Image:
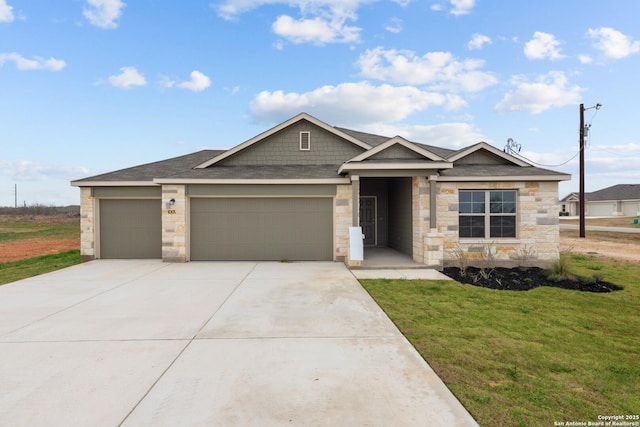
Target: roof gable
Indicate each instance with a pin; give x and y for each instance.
(348, 143)
(484, 154)
(397, 148)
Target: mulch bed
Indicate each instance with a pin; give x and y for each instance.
(524, 279)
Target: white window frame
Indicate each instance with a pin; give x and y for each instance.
(487, 215)
(308, 146)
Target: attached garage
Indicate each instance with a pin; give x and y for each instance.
(261, 228)
(130, 228)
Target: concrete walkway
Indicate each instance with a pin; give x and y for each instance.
(142, 343)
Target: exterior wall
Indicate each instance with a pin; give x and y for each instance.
(87, 224)
(538, 231)
(400, 215)
(283, 148)
(343, 218)
(174, 224)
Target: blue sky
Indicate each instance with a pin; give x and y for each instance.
(90, 86)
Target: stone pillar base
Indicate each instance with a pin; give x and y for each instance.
(434, 250)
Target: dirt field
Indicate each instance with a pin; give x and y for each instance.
(628, 252)
(22, 245)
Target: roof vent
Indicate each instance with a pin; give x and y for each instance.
(305, 141)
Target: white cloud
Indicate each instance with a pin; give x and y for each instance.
(547, 91)
(198, 82)
(166, 83)
(6, 12)
(447, 135)
(127, 78)
(394, 25)
(543, 46)
(613, 43)
(320, 21)
(26, 170)
(22, 63)
(361, 102)
(315, 30)
(440, 69)
(478, 41)
(103, 13)
(403, 3)
(462, 7)
(585, 59)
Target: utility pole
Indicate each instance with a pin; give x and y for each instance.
(582, 132)
(581, 197)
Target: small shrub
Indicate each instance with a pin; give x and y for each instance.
(462, 259)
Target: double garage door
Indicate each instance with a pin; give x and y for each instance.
(223, 228)
(261, 228)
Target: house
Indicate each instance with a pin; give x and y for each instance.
(306, 190)
(617, 200)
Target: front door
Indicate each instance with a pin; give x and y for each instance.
(368, 219)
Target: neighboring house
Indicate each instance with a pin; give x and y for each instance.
(305, 190)
(618, 200)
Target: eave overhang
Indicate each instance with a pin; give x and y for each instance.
(363, 166)
(560, 177)
(82, 183)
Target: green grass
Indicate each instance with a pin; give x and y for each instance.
(527, 358)
(17, 270)
(17, 230)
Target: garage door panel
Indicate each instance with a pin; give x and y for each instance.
(130, 228)
(261, 229)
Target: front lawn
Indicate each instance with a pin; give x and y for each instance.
(527, 358)
(17, 270)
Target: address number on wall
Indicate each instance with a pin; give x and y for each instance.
(171, 211)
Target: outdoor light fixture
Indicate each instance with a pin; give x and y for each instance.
(172, 202)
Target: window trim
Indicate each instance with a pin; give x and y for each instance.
(487, 215)
(308, 141)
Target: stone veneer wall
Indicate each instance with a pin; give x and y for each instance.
(87, 225)
(420, 217)
(538, 229)
(174, 224)
(343, 220)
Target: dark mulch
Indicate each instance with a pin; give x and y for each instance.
(524, 279)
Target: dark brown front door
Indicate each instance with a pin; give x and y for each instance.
(368, 219)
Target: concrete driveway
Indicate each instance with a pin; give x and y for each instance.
(142, 343)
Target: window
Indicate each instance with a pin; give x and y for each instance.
(476, 221)
(305, 141)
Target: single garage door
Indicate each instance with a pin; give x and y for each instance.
(130, 228)
(261, 229)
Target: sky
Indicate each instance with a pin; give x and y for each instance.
(92, 86)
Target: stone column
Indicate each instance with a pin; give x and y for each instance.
(87, 225)
(174, 223)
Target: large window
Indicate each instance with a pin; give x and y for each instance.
(487, 214)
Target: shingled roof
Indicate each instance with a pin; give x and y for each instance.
(615, 192)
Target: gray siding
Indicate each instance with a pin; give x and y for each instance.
(400, 215)
(262, 229)
(130, 228)
(397, 152)
(283, 148)
(481, 157)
